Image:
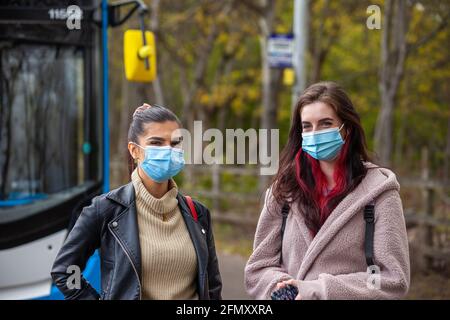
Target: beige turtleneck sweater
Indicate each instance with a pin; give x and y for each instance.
(169, 260)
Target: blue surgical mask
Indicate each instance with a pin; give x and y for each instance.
(162, 163)
(323, 144)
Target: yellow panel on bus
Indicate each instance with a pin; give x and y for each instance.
(135, 54)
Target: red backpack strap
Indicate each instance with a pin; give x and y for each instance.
(192, 207)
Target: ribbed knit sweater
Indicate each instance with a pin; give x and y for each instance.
(169, 260)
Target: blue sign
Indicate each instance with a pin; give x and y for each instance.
(280, 49)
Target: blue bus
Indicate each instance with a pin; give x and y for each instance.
(54, 139)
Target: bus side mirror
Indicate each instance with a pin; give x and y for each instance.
(139, 59)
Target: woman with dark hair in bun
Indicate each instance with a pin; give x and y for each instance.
(154, 242)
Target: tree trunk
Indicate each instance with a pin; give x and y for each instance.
(270, 78)
(318, 53)
(393, 55)
(447, 155)
(154, 26)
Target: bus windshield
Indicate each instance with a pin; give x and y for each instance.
(41, 121)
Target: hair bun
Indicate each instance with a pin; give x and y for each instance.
(140, 109)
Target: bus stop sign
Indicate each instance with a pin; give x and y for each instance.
(280, 49)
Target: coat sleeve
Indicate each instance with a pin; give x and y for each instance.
(214, 278)
(391, 255)
(263, 270)
(80, 244)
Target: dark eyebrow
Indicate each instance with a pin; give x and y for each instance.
(321, 120)
(155, 138)
(325, 119)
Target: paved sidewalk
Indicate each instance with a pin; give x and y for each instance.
(232, 271)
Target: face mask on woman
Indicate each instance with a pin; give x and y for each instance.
(323, 144)
(162, 163)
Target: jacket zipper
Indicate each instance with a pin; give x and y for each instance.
(131, 261)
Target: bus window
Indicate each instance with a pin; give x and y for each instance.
(41, 121)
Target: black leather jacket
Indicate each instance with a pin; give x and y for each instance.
(110, 223)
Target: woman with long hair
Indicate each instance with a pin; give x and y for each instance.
(332, 225)
(155, 243)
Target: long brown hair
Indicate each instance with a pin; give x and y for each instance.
(300, 179)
